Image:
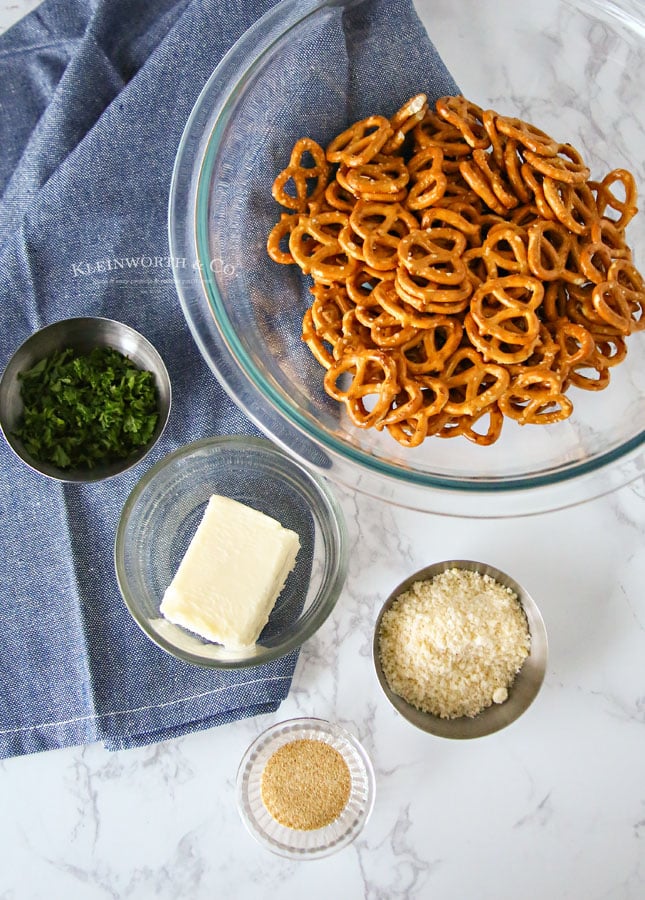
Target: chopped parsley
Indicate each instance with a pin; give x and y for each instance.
(83, 410)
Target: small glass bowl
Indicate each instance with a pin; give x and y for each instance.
(319, 842)
(522, 692)
(161, 516)
(81, 334)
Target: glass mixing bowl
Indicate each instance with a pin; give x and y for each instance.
(570, 67)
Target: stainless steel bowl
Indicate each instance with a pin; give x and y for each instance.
(81, 334)
(527, 682)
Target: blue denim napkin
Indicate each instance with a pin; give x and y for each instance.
(94, 95)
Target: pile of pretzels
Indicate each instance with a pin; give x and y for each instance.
(465, 269)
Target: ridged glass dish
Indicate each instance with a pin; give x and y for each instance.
(161, 516)
(573, 68)
(296, 843)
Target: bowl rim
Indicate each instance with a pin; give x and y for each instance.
(333, 591)
(238, 373)
(89, 476)
(489, 720)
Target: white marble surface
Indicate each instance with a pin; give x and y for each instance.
(552, 807)
(13, 10)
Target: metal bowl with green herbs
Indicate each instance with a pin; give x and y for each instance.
(84, 399)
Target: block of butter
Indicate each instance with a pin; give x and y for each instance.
(231, 574)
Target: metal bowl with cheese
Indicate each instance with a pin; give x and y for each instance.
(448, 654)
(229, 553)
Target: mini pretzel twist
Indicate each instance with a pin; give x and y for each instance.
(337, 197)
(580, 309)
(477, 179)
(605, 232)
(535, 397)
(534, 181)
(466, 117)
(279, 235)
(495, 177)
(632, 285)
(404, 120)
(473, 384)
(428, 177)
(512, 164)
(528, 136)
(549, 246)
(465, 270)
(429, 353)
(505, 250)
(383, 178)
(327, 310)
(447, 426)
(544, 354)
(429, 296)
(607, 199)
(510, 299)
(411, 397)
(434, 254)
(608, 351)
(315, 342)
(373, 374)
(381, 226)
(459, 214)
(504, 312)
(566, 165)
(574, 205)
(433, 130)
(361, 283)
(575, 345)
(411, 429)
(309, 181)
(314, 246)
(356, 337)
(612, 305)
(591, 375)
(360, 143)
(386, 330)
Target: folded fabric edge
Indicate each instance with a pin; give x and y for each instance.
(264, 686)
(170, 733)
(147, 725)
(108, 87)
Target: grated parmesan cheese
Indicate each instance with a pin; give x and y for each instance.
(452, 645)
